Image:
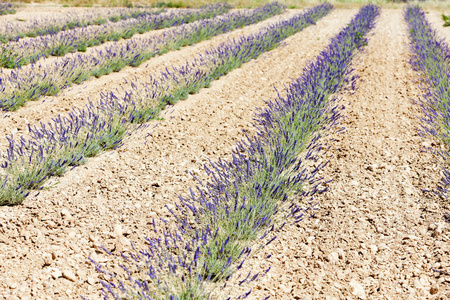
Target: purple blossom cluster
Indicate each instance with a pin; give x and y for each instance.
(431, 56)
(249, 197)
(37, 26)
(32, 82)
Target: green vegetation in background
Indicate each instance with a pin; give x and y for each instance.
(446, 20)
(170, 4)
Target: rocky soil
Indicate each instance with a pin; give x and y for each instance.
(376, 234)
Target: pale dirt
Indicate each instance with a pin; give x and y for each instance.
(375, 229)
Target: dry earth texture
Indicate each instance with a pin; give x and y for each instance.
(376, 234)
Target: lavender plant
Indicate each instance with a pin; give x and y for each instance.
(52, 148)
(16, 54)
(430, 58)
(7, 7)
(15, 30)
(22, 85)
(246, 197)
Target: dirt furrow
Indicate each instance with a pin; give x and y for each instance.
(376, 234)
(112, 199)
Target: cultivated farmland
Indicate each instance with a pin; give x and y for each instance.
(216, 152)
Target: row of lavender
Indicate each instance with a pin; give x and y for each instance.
(30, 83)
(69, 140)
(431, 59)
(23, 52)
(254, 194)
(38, 26)
(7, 7)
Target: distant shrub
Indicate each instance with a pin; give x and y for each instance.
(169, 4)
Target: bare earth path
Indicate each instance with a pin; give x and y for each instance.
(376, 235)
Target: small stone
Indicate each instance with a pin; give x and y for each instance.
(118, 230)
(373, 249)
(56, 273)
(308, 250)
(123, 244)
(432, 226)
(92, 280)
(409, 191)
(12, 297)
(69, 275)
(372, 167)
(98, 258)
(358, 290)
(382, 246)
(434, 289)
(285, 289)
(81, 274)
(417, 284)
(354, 183)
(338, 286)
(333, 256)
(341, 253)
(65, 213)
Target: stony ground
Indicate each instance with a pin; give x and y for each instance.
(376, 234)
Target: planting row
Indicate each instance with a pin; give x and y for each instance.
(23, 85)
(15, 30)
(431, 55)
(7, 8)
(16, 54)
(69, 140)
(254, 194)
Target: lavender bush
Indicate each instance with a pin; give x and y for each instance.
(30, 83)
(7, 8)
(23, 52)
(248, 196)
(431, 59)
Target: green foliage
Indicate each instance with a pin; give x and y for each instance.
(446, 20)
(170, 4)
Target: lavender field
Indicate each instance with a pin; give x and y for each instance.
(221, 152)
